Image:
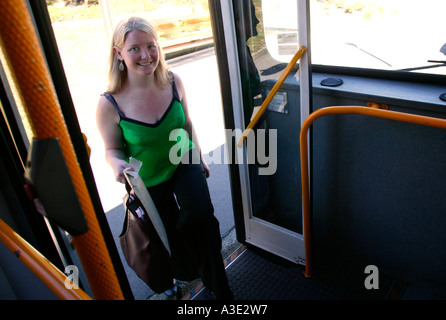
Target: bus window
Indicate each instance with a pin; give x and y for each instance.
(372, 34)
(280, 33)
(377, 34)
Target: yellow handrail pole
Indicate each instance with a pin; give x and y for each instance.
(51, 276)
(271, 95)
(28, 66)
(380, 113)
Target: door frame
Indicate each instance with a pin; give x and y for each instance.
(260, 233)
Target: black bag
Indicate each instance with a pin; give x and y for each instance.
(143, 249)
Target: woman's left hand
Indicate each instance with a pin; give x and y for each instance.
(207, 171)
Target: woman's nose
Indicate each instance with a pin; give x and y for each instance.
(145, 54)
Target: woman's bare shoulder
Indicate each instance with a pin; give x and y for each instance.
(106, 109)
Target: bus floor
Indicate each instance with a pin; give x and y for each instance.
(254, 274)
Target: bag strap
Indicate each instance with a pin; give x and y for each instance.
(132, 205)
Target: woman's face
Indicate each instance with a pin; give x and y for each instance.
(140, 53)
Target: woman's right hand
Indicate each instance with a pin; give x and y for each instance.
(119, 166)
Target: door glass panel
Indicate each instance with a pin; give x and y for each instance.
(274, 167)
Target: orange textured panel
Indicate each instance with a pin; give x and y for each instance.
(26, 61)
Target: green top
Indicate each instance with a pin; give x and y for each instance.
(159, 146)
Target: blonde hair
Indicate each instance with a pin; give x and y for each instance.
(117, 77)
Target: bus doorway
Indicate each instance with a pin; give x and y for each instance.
(266, 169)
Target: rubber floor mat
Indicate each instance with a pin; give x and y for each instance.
(256, 275)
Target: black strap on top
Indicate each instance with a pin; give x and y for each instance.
(114, 103)
(175, 91)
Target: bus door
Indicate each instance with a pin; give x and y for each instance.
(254, 41)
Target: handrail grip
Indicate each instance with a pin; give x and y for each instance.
(51, 276)
(271, 95)
(380, 113)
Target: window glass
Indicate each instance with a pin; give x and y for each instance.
(14, 99)
(378, 34)
(265, 46)
(374, 34)
(178, 21)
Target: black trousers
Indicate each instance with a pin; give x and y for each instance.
(185, 207)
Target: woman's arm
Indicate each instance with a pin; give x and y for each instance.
(107, 120)
(188, 126)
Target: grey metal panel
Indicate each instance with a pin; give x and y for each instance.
(378, 187)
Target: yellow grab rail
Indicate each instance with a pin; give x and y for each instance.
(52, 277)
(26, 61)
(380, 113)
(271, 95)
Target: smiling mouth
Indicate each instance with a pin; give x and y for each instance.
(145, 63)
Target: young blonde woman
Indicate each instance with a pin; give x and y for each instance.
(143, 106)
